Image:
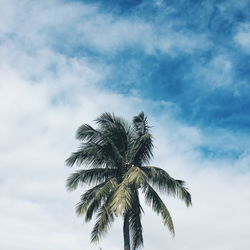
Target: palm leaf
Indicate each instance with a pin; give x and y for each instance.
(121, 200)
(100, 137)
(115, 128)
(87, 199)
(140, 124)
(141, 151)
(135, 221)
(154, 200)
(92, 199)
(94, 155)
(89, 176)
(104, 219)
(135, 176)
(165, 183)
(123, 196)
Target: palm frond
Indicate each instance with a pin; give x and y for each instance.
(95, 155)
(115, 128)
(165, 183)
(105, 217)
(89, 176)
(154, 200)
(99, 137)
(108, 119)
(91, 200)
(87, 199)
(87, 133)
(135, 176)
(140, 124)
(121, 200)
(135, 221)
(142, 150)
(92, 154)
(123, 196)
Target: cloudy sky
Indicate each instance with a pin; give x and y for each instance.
(185, 63)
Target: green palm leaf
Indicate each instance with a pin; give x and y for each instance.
(101, 137)
(115, 128)
(89, 176)
(135, 221)
(121, 200)
(140, 124)
(91, 200)
(105, 217)
(123, 197)
(154, 200)
(141, 152)
(165, 183)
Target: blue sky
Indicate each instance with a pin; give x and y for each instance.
(208, 83)
(204, 71)
(185, 63)
(193, 55)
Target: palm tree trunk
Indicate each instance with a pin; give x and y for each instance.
(126, 235)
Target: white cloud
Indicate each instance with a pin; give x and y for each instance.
(242, 37)
(45, 96)
(217, 73)
(64, 25)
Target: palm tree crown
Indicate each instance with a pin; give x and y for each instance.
(116, 155)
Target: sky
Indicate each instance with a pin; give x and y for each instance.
(186, 64)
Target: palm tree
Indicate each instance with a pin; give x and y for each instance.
(116, 156)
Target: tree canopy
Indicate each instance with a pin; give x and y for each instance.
(116, 157)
